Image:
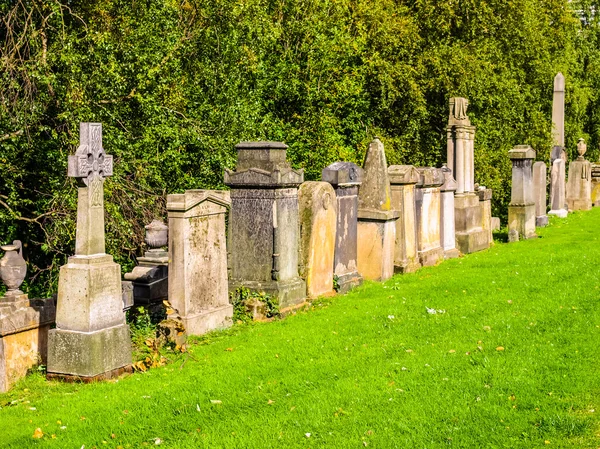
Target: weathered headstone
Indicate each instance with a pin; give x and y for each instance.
(403, 179)
(485, 204)
(376, 218)
(558, 110)
(198, 287)
(557, 188)
(579, 185)
(428, 207)
(470, 236)
(595, 185)
(91, 340)
(495, 223)
(521, 210)
(317, 236)
(539, 192)
(345, 177)
(263, 225)
(447, 224)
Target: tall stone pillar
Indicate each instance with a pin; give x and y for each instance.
(558, 111)
(485, 204)
(376, 218)
(428, 207)
(263, 225)
(539, 191)
(447, 230)
(521, 210)
(403, 179)
(198, 287)
(345, 177)
(557, 188)
(470, 237)
(579, 185)
(91, 340)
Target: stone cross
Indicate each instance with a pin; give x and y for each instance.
(90, 165)
(558, 110)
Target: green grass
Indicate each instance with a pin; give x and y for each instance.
(372, 367)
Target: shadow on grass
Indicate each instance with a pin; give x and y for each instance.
(501, 235)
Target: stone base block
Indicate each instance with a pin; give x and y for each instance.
(100, 377)
(467, 212)
(431, 257)
(348, 281)
(475, 240)
(451, 253)
(288, 292)
(209, 320)
(579, 204)
(375, 249)
(407, 266)
(521, 218)
(151, 292)
(88, 354)
(541, 221)
(561, 213)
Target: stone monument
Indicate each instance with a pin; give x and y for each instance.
(447, 232)
(485, 204)
(558, 111)
(24, 323)
(263, 225)
(91, 340)
(403, 179)
(470, 236)
(521, 210)
(317, 236)
(376, 218)
(345, 177)
(595, 185)
(579, 185)
(428, 207)
(557, 188)
(539, 193)
(198, 288)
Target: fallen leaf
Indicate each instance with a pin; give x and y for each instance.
(307, 435)
(500, 348)
(229, 349)
(452, 351)
(53, 436)
(37, 433)
(113, 436)
(271, 402)
(215, 401)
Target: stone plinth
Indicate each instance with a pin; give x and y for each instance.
(485, 204)
(345, 177)
(317, 236)
(403, 179)
(447, 230)
(557, 189)
(376, 219)
(470, 235)
(198, 287)
(91, 340)
(427, 205)
(579, 185)
(24, 327)
(150, 278)
(595, 185)
(521, 210)
(263, 225)
(539, 193)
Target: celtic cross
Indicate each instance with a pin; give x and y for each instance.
(90, 161)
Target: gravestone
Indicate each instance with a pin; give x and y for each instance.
(428, 207)
(345, 177)
(558, 111)
(595, 185)
(198, 288)
(263, 225)
(403, 179)
(539, 192)
(376, 218)
(470, 236)
(91, 340)
(521, 210)
(447, 232)
(317, 236)
(579, 185)
(557, 188)
(485, 204)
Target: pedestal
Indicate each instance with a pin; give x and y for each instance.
(470, 236)
(522, 219)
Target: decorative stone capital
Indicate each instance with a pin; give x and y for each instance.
(343, 174)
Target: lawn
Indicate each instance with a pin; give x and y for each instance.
(509, 359)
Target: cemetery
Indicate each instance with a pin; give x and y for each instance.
(418, 274)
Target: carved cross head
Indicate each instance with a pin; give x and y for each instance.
(89, 161)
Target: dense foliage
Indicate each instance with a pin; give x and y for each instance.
(178, 83)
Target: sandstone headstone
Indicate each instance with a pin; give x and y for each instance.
(345, 177)
(263, 225)
(485, 204)
(539, 189)
(403, 179)
(376, 218)
(91, 340)
(317, 236)
(595, 185)
(579, 185)
(428, 207)
(198, 287)
(495, 223)
(447, 232)
(557, 187)
(521, 210)
(558, 110)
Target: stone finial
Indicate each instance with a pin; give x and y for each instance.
(374, 193)
(89, 161)
(559, 82)
(458, 111)
(157, 234)
(581, 148)
(13, 268)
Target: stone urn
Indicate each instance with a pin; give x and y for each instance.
(581, 147)
(157, 234)
(13, 268)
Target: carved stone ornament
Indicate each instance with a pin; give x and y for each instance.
(581, 147)
(157, 234)
(13, 268)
